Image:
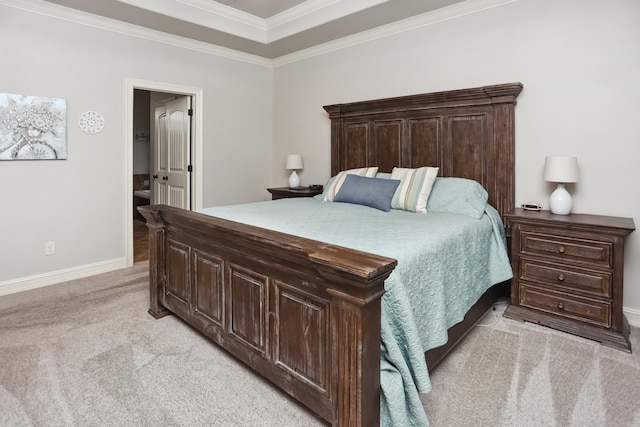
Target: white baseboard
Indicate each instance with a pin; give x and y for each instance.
(46, 279)
(633, 316)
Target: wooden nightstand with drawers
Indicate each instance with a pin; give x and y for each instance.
(568, 273)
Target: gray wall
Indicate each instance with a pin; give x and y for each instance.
(79, 202)
(579, 62)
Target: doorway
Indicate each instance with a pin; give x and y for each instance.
(133, 131)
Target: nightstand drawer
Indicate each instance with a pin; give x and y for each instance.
(569, 306)
(587, 281)
(566, 248)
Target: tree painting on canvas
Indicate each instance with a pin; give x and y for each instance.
(32, 127)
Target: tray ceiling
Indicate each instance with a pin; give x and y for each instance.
(267, 28)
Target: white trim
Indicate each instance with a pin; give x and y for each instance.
(633, 316)
(55, 277)
(229, 13)
(311, 14)
(221, 17)
(408, 24)
(422, 20)
(108, 24)
(196, 155)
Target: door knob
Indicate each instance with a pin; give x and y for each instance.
(155, 176)
(165, 178)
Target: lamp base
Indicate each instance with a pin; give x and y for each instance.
(294, 180)
(560, 201)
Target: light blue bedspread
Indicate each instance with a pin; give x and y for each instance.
(445, 263)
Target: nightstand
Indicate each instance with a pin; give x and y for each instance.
(286, 192)
(567, 273)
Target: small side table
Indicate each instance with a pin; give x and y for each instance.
(286, 192)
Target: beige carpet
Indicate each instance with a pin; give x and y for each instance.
(520, 374)
(86, 353)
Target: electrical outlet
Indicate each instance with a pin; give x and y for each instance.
(49, 248)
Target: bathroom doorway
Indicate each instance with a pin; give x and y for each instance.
(161, 157)
(140, 151)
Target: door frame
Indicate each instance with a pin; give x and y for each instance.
(196, 148)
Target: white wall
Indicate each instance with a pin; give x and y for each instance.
(79, 202)
(579, 62)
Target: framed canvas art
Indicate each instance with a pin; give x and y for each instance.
(32, 128)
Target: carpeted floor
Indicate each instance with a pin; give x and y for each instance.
(86, 353)
(520, 374)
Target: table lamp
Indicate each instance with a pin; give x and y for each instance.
(562, 170)
(294, 161)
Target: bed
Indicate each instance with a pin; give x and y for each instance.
(304, 313)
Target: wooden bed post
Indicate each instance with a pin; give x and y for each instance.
(156, 261)
(355, 339)
(356, 368)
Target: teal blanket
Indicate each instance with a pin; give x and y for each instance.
(445, 263)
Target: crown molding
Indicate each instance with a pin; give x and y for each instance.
(313, 13)
(216, 8)
(83, 18)
(216, 16)
(408, 24)
(418, 21)
(220, 17)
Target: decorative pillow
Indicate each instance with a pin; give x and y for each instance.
(334, 184)
(373, 192)
(458, 195)
(415, 185)
(383, 175)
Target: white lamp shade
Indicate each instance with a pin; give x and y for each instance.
(561, 169)
(294, 161)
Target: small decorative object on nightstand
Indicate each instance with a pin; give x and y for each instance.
(567, 273)
(561, 170)
(294, 161)
(286, 192)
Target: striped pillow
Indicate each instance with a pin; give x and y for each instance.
(334, 184)
(414, 189)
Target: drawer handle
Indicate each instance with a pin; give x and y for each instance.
(561, 277)
(560, 306)
(561, 249)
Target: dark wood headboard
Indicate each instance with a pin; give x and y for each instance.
(468, 133)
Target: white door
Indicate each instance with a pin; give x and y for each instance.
(171, 175)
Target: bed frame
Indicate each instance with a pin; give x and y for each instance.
(305, 314)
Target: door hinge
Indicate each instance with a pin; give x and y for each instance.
(190, 111)
(189, 168)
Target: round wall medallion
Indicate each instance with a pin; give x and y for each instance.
(91, 122)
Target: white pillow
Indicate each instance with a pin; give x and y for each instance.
(334, 185)
(414, 189)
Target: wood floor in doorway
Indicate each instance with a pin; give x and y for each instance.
(140, 241)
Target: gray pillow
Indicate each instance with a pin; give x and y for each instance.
(373, 192)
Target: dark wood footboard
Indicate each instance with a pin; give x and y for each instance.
(303, 314)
